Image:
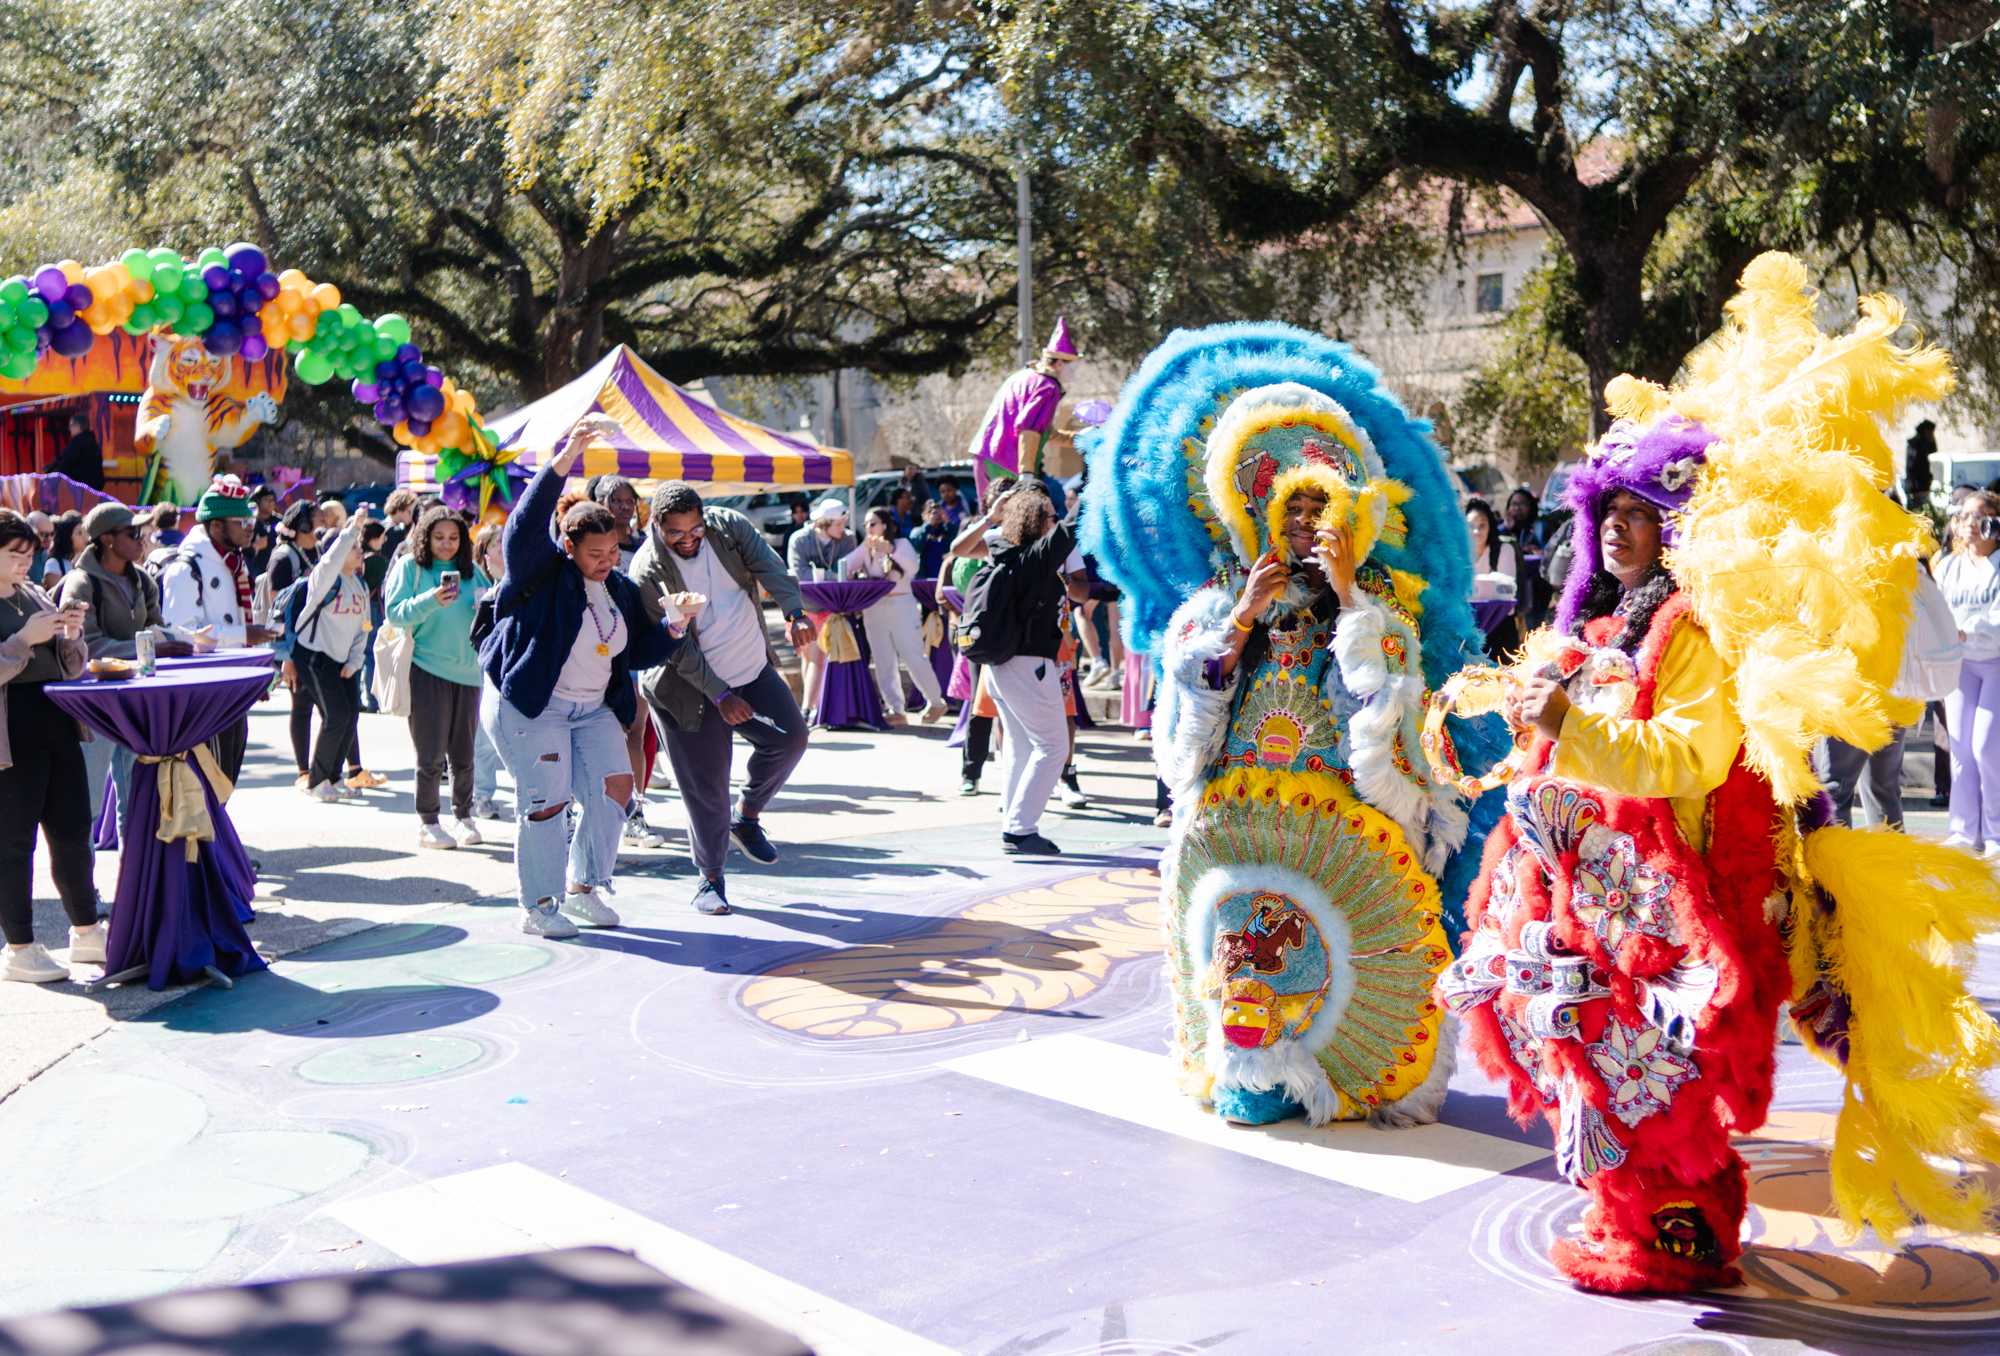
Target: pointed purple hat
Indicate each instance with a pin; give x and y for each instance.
(1059, 342)
(1659, 462)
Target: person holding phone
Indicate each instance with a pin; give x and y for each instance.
(429, 594)
(42, 781)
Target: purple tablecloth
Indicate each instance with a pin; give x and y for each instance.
(170, 915)
(1492, 613)
(848, 696)
(221, 659)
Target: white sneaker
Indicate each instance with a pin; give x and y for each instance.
(640, 834)
(465, 833)
(1959, 840)
(326, 792)
(484, 808)
(345, 792)
(31, 964)
(589, 910)
(434, 836)
(935, 711)
(1072, 796)
(542, 920)
(1990, 853)
(86, 945)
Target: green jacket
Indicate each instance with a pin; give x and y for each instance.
(681, 687)
(443, 634)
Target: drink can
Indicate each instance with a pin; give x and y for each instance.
(148, 656)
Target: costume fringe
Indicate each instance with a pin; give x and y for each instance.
(1896, 942)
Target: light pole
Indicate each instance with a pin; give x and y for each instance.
(1025, 230)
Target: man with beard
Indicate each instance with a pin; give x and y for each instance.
(727, 682)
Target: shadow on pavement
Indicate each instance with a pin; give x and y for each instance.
(271, 1002)
(578, 1300)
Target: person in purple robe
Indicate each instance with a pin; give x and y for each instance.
(1016, 428)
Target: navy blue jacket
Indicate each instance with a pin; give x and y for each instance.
(539, 610)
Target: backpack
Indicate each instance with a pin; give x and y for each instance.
(285, 613)
(1932, 651)
(989, 627)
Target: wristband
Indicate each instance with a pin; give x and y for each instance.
(1235, 622)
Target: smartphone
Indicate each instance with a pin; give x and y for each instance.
(448, 581)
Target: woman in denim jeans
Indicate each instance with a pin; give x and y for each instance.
(568, 632)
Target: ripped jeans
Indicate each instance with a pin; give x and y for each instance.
(565, 753)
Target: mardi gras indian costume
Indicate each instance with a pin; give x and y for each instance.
(1664, 879)
(1305, 913)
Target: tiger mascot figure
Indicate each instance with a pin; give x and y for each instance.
(186, 417)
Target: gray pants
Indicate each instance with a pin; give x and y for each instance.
(443, 718)
(701, 759)
(1878, 776)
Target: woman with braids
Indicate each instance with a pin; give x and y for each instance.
(429, 593)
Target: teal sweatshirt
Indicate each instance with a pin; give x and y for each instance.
(443, 634)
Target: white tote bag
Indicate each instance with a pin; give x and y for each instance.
(1932, 651)
(394, 648)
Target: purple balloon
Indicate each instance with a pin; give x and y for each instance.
(425, 402)
(366, 392)
(215, 278)
(390, 411)
(78, 296)
(51, 283)
(60, 314)
(247, 259)
(223, 303)
(223, 338)
(255, 346)
(408, 353)
(413, 372)
(418, 427)
(388, 370)
(71, 341)
(267, 285)
(434, 376)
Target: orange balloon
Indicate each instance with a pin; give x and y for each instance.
(327, 295)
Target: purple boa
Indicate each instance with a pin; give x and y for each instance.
(1633, 459)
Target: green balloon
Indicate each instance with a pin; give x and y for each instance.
(162, 257)
(166, 309)
(196, 319)
(314, 369)
(33, 312)
(393, 328)
(166, 277)
(138, 263)
(21, 340)
(211, 257)
(142, 318)
(18, 366)
(192, 290)
(14, 290)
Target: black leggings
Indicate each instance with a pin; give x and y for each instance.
(339, 703)
(44, 788)
(302, 727)
(978, 747)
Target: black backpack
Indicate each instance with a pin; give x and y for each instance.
(989, 627)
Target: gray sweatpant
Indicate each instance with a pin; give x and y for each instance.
(1877, 776)
(702, 757)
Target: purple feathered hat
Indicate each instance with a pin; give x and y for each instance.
(1657, 462)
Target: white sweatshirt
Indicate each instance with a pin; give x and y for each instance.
(1971, 585)
(341, 633)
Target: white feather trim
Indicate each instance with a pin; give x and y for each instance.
(1191, 719)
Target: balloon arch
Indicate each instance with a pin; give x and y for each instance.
(236, 306)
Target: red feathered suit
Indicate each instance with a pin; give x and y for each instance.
(1619, 971)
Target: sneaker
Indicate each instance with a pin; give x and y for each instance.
(434, 836)
(348, 793)
(1072, 794)
(1164, 819)
(969, 787)
(466, 833)
(1028, 845)
(935, 711)
(326, 792)
(86, 945)
(1099, 679)
(639, 833)
(898, 722)
(545, 920)
(586, 908)
(1990, 853)
(484, 808)
(749, 835)
(31, 964)
(709, 898)
(1959, 840)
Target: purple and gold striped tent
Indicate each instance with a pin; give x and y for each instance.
(662, 433)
